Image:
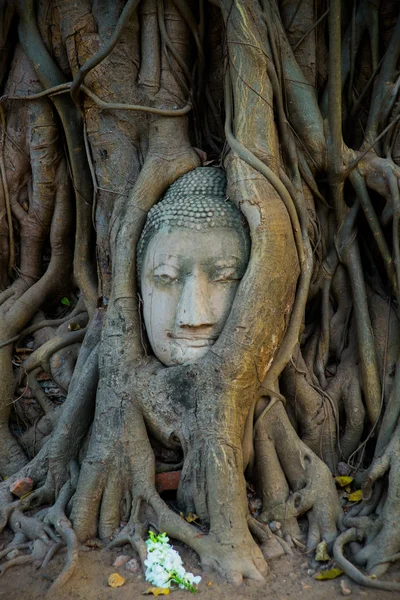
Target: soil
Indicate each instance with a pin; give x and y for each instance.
(288, 579)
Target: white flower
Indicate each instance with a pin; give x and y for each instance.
(164, 565)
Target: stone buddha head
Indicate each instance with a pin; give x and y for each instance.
(192, 254)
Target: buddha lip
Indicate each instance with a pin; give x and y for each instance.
(200, 343)
(194, 338)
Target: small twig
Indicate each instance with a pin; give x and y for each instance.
(90, 64)
(303, 37)
(176, 112)
(65, 87)
(355, 162)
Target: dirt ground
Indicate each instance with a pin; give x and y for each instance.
(288, 579)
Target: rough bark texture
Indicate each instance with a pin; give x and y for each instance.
(103, 106)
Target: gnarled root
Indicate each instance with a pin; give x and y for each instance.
(44, 535)
(351, 571)
(272, 546)
(57, 518)
(284, 462)
(383, 534)
(313, 410)
(235, 560)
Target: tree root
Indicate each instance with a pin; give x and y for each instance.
(272, 546)
(351, 535)
(235, 560)
(133, 533)
(382, 537)
(286, 463)
(51, 552)
(57, 518)
(12, 546)
(314, 413)
(45, 535)
(40, 555)
(16, 562)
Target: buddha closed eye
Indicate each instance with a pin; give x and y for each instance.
(191, 256)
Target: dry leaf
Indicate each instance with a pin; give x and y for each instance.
(356, 496)
(321, 552)
(115, 580)
(94, 543)
(74, 327)
(343, 480)
(191, 517)
(156, 591)
(330, 574)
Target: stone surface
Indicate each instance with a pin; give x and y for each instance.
(121, 560)
(167, 481)
(132, 566)
(22, 486)
(346, 591)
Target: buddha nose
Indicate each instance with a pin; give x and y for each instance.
(193, 308)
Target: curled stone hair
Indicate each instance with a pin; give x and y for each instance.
(196, 201)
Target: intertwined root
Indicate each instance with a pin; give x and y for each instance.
(272, 546)
(378, 515)
(293, 481)
(37, 537)
(352, 536)
(43, 534)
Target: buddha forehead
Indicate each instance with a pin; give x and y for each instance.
(197, 203)
(183, 248)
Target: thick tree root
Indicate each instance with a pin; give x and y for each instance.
(272, 546)
(312, 409)
(383, 534)
(133, 533)
(286, 463)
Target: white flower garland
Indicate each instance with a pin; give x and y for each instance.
(164, 565)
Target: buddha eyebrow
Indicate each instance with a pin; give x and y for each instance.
(164, 259)
(227, 261)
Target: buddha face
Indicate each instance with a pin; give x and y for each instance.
(188, 284)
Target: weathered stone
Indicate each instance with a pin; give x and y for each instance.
(132, 566)
(121, 560)
(167, 481)
(22, 486)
